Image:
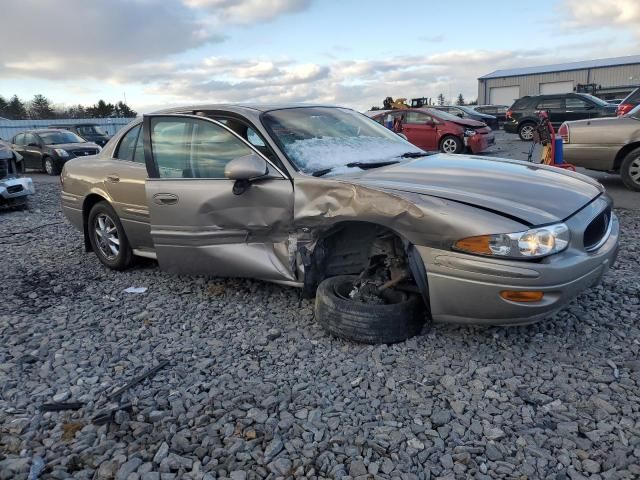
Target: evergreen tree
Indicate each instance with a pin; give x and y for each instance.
(123, 110)
(440, 99)
(3, 106)
(460, 100)
(101, 110)
(40, 108)
(15, 109)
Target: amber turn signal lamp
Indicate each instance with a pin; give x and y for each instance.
(479, 244)
(526, 296)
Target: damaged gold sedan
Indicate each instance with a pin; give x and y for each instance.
(328, 200)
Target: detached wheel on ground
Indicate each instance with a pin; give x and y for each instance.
(451, 144)
(107, 237)
(50, 167)
(400, 318)
(630, 170)
(525, 131)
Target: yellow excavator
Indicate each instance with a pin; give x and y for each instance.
(399, 104)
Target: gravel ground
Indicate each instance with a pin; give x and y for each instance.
(255, 389)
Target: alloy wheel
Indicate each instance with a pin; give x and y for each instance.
(634, 171)
(449, 145)
(48, 166)
(106, 235)
(526, 132)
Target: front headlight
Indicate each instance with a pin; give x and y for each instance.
(468, 132)
(61, 152)
(534, 243)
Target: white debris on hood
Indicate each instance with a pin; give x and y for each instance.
(319, 153)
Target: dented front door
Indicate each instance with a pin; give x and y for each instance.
(198, 225)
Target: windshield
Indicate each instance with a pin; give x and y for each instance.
(317, 138)
(441, 114)
(55, 138)
(90, 130)
(595, 100)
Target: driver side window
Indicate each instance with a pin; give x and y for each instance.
(193, 148)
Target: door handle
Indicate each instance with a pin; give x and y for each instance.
(113, 178)
(165, 198)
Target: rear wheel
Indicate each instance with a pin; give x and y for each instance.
(107, 237)
(451, 144)
(401, 316)
(50, 167)
(525, 131)
(630, 170)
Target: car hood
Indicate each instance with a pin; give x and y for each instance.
(467, 122)
(532, 194)
(74, 146)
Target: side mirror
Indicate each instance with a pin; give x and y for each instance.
(245, 169)
(461, 115)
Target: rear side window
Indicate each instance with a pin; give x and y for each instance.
(550, 104)
(520, 104)
(574, 103)
(127, 147)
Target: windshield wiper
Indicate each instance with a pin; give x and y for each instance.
(415, 154)
(319, 173)
(362, 165)
(368, 165)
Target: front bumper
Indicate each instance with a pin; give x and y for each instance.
(466, 288)
(15, 190)
(480, 142)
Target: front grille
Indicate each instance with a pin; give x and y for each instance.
(4, 167)
(595, 233)
(15, 188)
(85, 152)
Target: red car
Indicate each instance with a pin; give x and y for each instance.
(629, 103)
(432, 129)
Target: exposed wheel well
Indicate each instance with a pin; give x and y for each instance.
(87, 205)
(348, 248)
(624, 151)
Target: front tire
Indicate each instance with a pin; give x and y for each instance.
(451, 144)
(630, 170)
(107, 237)
(50, 167)
(364, 322)
(525, 131)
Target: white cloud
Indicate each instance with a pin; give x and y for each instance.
(599, 13)
(248, 11)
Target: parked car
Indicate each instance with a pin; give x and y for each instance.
(462, 111)
(14, 188)
(498, 111)
(49, 149)
(326, 198)
(522, 116)
(434, 130)
(89, 131)
(629, 103)
(607, 144)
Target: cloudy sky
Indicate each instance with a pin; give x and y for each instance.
(349, 52)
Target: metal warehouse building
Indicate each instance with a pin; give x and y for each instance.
(608, 78)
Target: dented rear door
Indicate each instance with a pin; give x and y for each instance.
(198, 225)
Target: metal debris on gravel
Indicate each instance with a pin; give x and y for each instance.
(256, 389)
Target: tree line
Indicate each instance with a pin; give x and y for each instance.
(40, 107)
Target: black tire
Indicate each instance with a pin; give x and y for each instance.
(124, 257)
(451, 140)
(367, 323)
(525, 131)
(630, 170)
(50, 167)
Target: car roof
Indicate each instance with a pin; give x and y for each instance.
(254, 107)
(44, 130)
